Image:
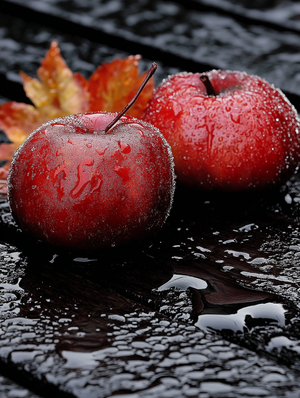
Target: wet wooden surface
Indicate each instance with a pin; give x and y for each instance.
(209, 307)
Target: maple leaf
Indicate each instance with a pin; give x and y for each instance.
(113, 85)
(17, 120)
(3, 177)
(59, 92)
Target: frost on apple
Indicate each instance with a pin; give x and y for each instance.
(75, 186)
(244, 137)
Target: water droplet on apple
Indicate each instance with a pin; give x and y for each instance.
(176, 108)
(122, 172)
(85, 176)
(210, 135)
(137, 125)
(138, 128)
(96, 185)
(61, 168)
(235, 117)
(101, 151)
(125, 148)
(89, 145)
(60, 174)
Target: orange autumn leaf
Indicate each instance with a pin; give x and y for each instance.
(59, 92)
(18, 120)
(3, 177)
(113, 85)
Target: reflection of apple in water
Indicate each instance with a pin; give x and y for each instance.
(230, 131)
(90, 181)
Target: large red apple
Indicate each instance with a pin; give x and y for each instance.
(228, 130)
(90, 181)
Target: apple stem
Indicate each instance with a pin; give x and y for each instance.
(207, 83)
(145, 81)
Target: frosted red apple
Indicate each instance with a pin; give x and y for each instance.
(75, 186)
(243, 134)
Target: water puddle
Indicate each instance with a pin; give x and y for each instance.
(235, 316)
(184, 282)
(280, 343)
(245, 319)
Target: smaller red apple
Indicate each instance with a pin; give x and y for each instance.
(228, 130)
(92, 181)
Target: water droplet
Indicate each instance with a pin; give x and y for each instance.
(85, 177)
(210, 135)
(235, 117)
(238, 254)
(138, 127)
(176, 108)
(60, 174)
(125, 148)
(183, 282)
(58, 169)
(101, 151)
(271, 313)
(122, 172)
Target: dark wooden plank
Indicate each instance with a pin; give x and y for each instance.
(189, 39)
(281, 14)
(23, 46)
(63, 334)
(10, 389)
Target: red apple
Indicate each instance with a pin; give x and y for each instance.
(91, 181)
(228, 130)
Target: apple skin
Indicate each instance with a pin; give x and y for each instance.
(76, 187)
(244, 138)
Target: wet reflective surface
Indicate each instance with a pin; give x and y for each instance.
(210, 306)
(202, 39)
(194, 312)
